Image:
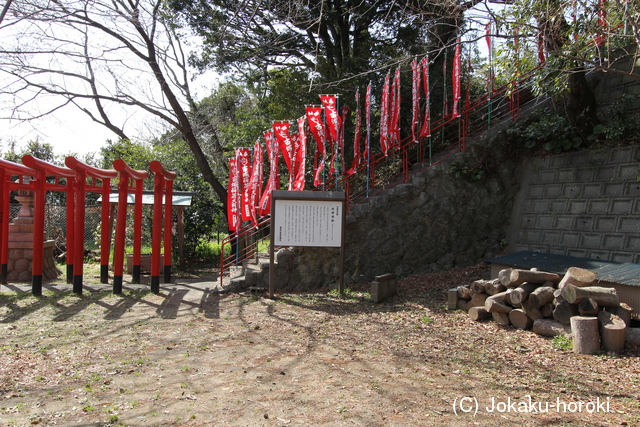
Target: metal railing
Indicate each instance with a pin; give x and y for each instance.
(448, 136)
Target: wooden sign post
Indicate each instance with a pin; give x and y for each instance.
(307, 218)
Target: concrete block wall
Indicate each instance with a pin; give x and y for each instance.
(610, 86)
(584, 204)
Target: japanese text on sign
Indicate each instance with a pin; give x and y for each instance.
(308, 223)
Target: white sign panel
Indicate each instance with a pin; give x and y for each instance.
(308, 223)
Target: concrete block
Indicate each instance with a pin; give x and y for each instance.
(621, 155)
(606, 173)
(383, 287)
(591, 240)
(545, 221)
(613, 242)
(577, 252)
(552, 191)
(632, 244)
(583, 223)
(605, 224)
(621, 257)
(571, 190)
(570, 240)
(581, 158)
(613, 189)
(551, 237)
(628, 170)
(577, 207)
(563, 222)
(598, 254)
(536, 191)
(541, 206)
(566, 175)
(547, 177)
(585, 174)
(629, 225)
(598, 206)
(631, 188)
(621, 206)
(558, 206)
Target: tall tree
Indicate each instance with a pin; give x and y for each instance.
(95, 55)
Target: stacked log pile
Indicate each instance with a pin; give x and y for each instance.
(551, 305)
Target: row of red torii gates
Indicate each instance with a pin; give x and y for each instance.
(76, 180)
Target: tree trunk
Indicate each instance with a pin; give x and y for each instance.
(518, 277)
(588, 307)
(519, 319)
(605, 297)
(586, 338)
(551, 328)
(577, 277)
(478, 313)
(541, 296)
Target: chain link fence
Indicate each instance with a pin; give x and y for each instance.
(56, 225)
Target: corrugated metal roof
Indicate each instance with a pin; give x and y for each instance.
(608, 271)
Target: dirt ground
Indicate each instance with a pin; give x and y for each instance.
(192, 356)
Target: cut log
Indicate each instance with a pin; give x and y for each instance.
(588, 307)
(541, 295)
(507, 297)
(494, 287)
(563, 311)
(518, 277)
(623, 311)
(577, 277)
(522, 292)
(478, 313)
(478, 300)
(462, 304)
(633, 336)
(463, 292)
(586, 338)
(505, 277)
(613, 331)
(500, 318)
(547, 310)
(478, 286)
(519, 319)
(495, 303)
(605, 297)
(533, 312)
(551, 328)
(452, 299)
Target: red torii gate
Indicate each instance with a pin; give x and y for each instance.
(138, 176)
(84, 171)
(7, 170)
(40, 187)
(162, 186)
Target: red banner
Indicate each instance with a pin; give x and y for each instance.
(233, 196)
(243, 163)
(256, 182)
(314, 117)
(601, 37)
(301, 155)
(455, 77)
(394, 124)
(415, 98)
(425, 131)
(330, 105)
(272, 183)
(384, 117)
(281, 132)
(357, 159)
(367, 118)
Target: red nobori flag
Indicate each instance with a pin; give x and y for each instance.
(357, 158)
(330, 105)
(301, 154)
(455, 76)
(601, 37)
(394, 123)
(384, 117)
(256, 182)
(415, 98)
(367, 119)
(314, 117)
(233, 197)
(281, 132)
(272, 183)
(243, 163)
(425, 131)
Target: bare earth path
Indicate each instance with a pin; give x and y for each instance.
(194, 357)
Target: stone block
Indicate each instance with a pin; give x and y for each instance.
(558, 206)
(613, 189)
(383, 287)
(547, 176)
(592, 189)
(621, 257)
(545, 221)
(605, 223)
(536, 191)
(631, 188)
(577, 252)
(632, 244)
(598, 206)
(583, 223)
(629, 225)
(564, 222)
(577, 207)
(585, 174)
(571, 190)
(552, 191)
(613, 242)
(551, 237)
(591, 240)
(570, 240)
(566, 175)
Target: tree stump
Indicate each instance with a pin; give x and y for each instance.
(613, 331)
(623, 311)
(605, 297)
(550, 328)
(577, 277)
(586, 338)
(478, 313)
(519, 319)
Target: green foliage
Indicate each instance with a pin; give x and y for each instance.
(461, 169)
(561, 342)
(550, 131)
(617, 126)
